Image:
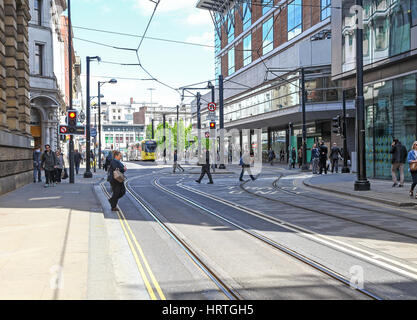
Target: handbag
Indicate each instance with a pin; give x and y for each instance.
(413, 166)
(65, 174)
(118, 176)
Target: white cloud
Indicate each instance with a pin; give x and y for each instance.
(206, 38)
(200, 17)
(146, 7)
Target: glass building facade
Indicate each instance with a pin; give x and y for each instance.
(390, 112)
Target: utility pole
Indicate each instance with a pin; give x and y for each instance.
(362, 183)
(99, 127)
(221, 116)
(199, 121)
(305, 167)
(71, 143)
(87, 173)
(345, 168)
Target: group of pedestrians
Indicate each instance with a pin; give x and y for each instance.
(52, 163)
(320, 155)
(272, 156)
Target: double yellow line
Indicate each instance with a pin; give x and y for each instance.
(140, 259)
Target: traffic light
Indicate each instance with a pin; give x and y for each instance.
(72, 121)
(212, 125)
(337, 125)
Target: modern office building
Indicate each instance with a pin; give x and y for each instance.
(261, 49)
(390, 72)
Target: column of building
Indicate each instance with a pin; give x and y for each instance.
(16, 163)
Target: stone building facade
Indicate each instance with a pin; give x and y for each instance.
(16, 167)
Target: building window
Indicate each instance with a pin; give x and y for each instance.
(231, 60)
(38, 12)
(325, 9)
(266, 6)
(231, 25)
(295, 18)
(268, 35)
(247, 47)
(414, 12)
(39, 59)
(247, 16)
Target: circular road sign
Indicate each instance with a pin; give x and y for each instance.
(212, 106)
(63, 129)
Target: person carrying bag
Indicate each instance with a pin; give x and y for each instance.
(116, 178)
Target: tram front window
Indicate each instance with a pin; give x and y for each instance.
(150, 147)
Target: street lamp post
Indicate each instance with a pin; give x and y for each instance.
(362, 183)
(87, 173)
(153, 134)
(71, 143)
(99, 84)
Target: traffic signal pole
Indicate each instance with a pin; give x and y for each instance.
(71, 143)
(221, 116)
(345, 168)
(87, 173)
(304, 167)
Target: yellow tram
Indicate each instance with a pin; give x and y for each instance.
(148, 150)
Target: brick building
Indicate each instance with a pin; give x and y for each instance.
(260, 48)
(16, 166)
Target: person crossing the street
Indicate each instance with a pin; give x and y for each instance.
(205, 167)
(118, 188)
(246, 162)
(323, 151)
(176, 164)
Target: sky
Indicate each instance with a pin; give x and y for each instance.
(174, 64)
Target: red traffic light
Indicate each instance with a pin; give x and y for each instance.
(212, 125)
(72, 115)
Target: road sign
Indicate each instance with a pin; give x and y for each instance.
(207, 134)
(81, 117)
(66, 130)
(212, 106)
(212, 117)
(93, 132)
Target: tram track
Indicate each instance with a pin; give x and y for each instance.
(227, 290)
(326, 213)
(271, 243)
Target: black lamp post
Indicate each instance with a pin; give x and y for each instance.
(362, 183)
(99, 84)
(87, 173)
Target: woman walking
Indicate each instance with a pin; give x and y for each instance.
(412, 161)
(118, 188)
(59, 166)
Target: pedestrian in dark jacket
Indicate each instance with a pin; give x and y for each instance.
(334, 157)
(118, 188)
(109, 158)
(49, 164)
(176, 164)
(399, 157)
(323, 151)
(293, 157)
(37, 162)
(59, 166)
(315, 158)
(271, 156)
(77, 160)
(205, 167)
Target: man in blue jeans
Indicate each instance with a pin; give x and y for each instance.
(37, 164)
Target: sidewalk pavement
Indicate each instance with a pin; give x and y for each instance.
(381, 190)
(44, 240)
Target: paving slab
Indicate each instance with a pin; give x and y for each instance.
(381, 190)
(44, 240)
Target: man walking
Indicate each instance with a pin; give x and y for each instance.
(205, 168)
(334, 157)
(323, 151)
(399, 157)
(49, 164)
(37, 164)
(315, 158)
(293, 157)
(176, 164)
(246, 162)
(77, 160)
(271, 156)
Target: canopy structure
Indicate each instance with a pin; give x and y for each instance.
(214, 5)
